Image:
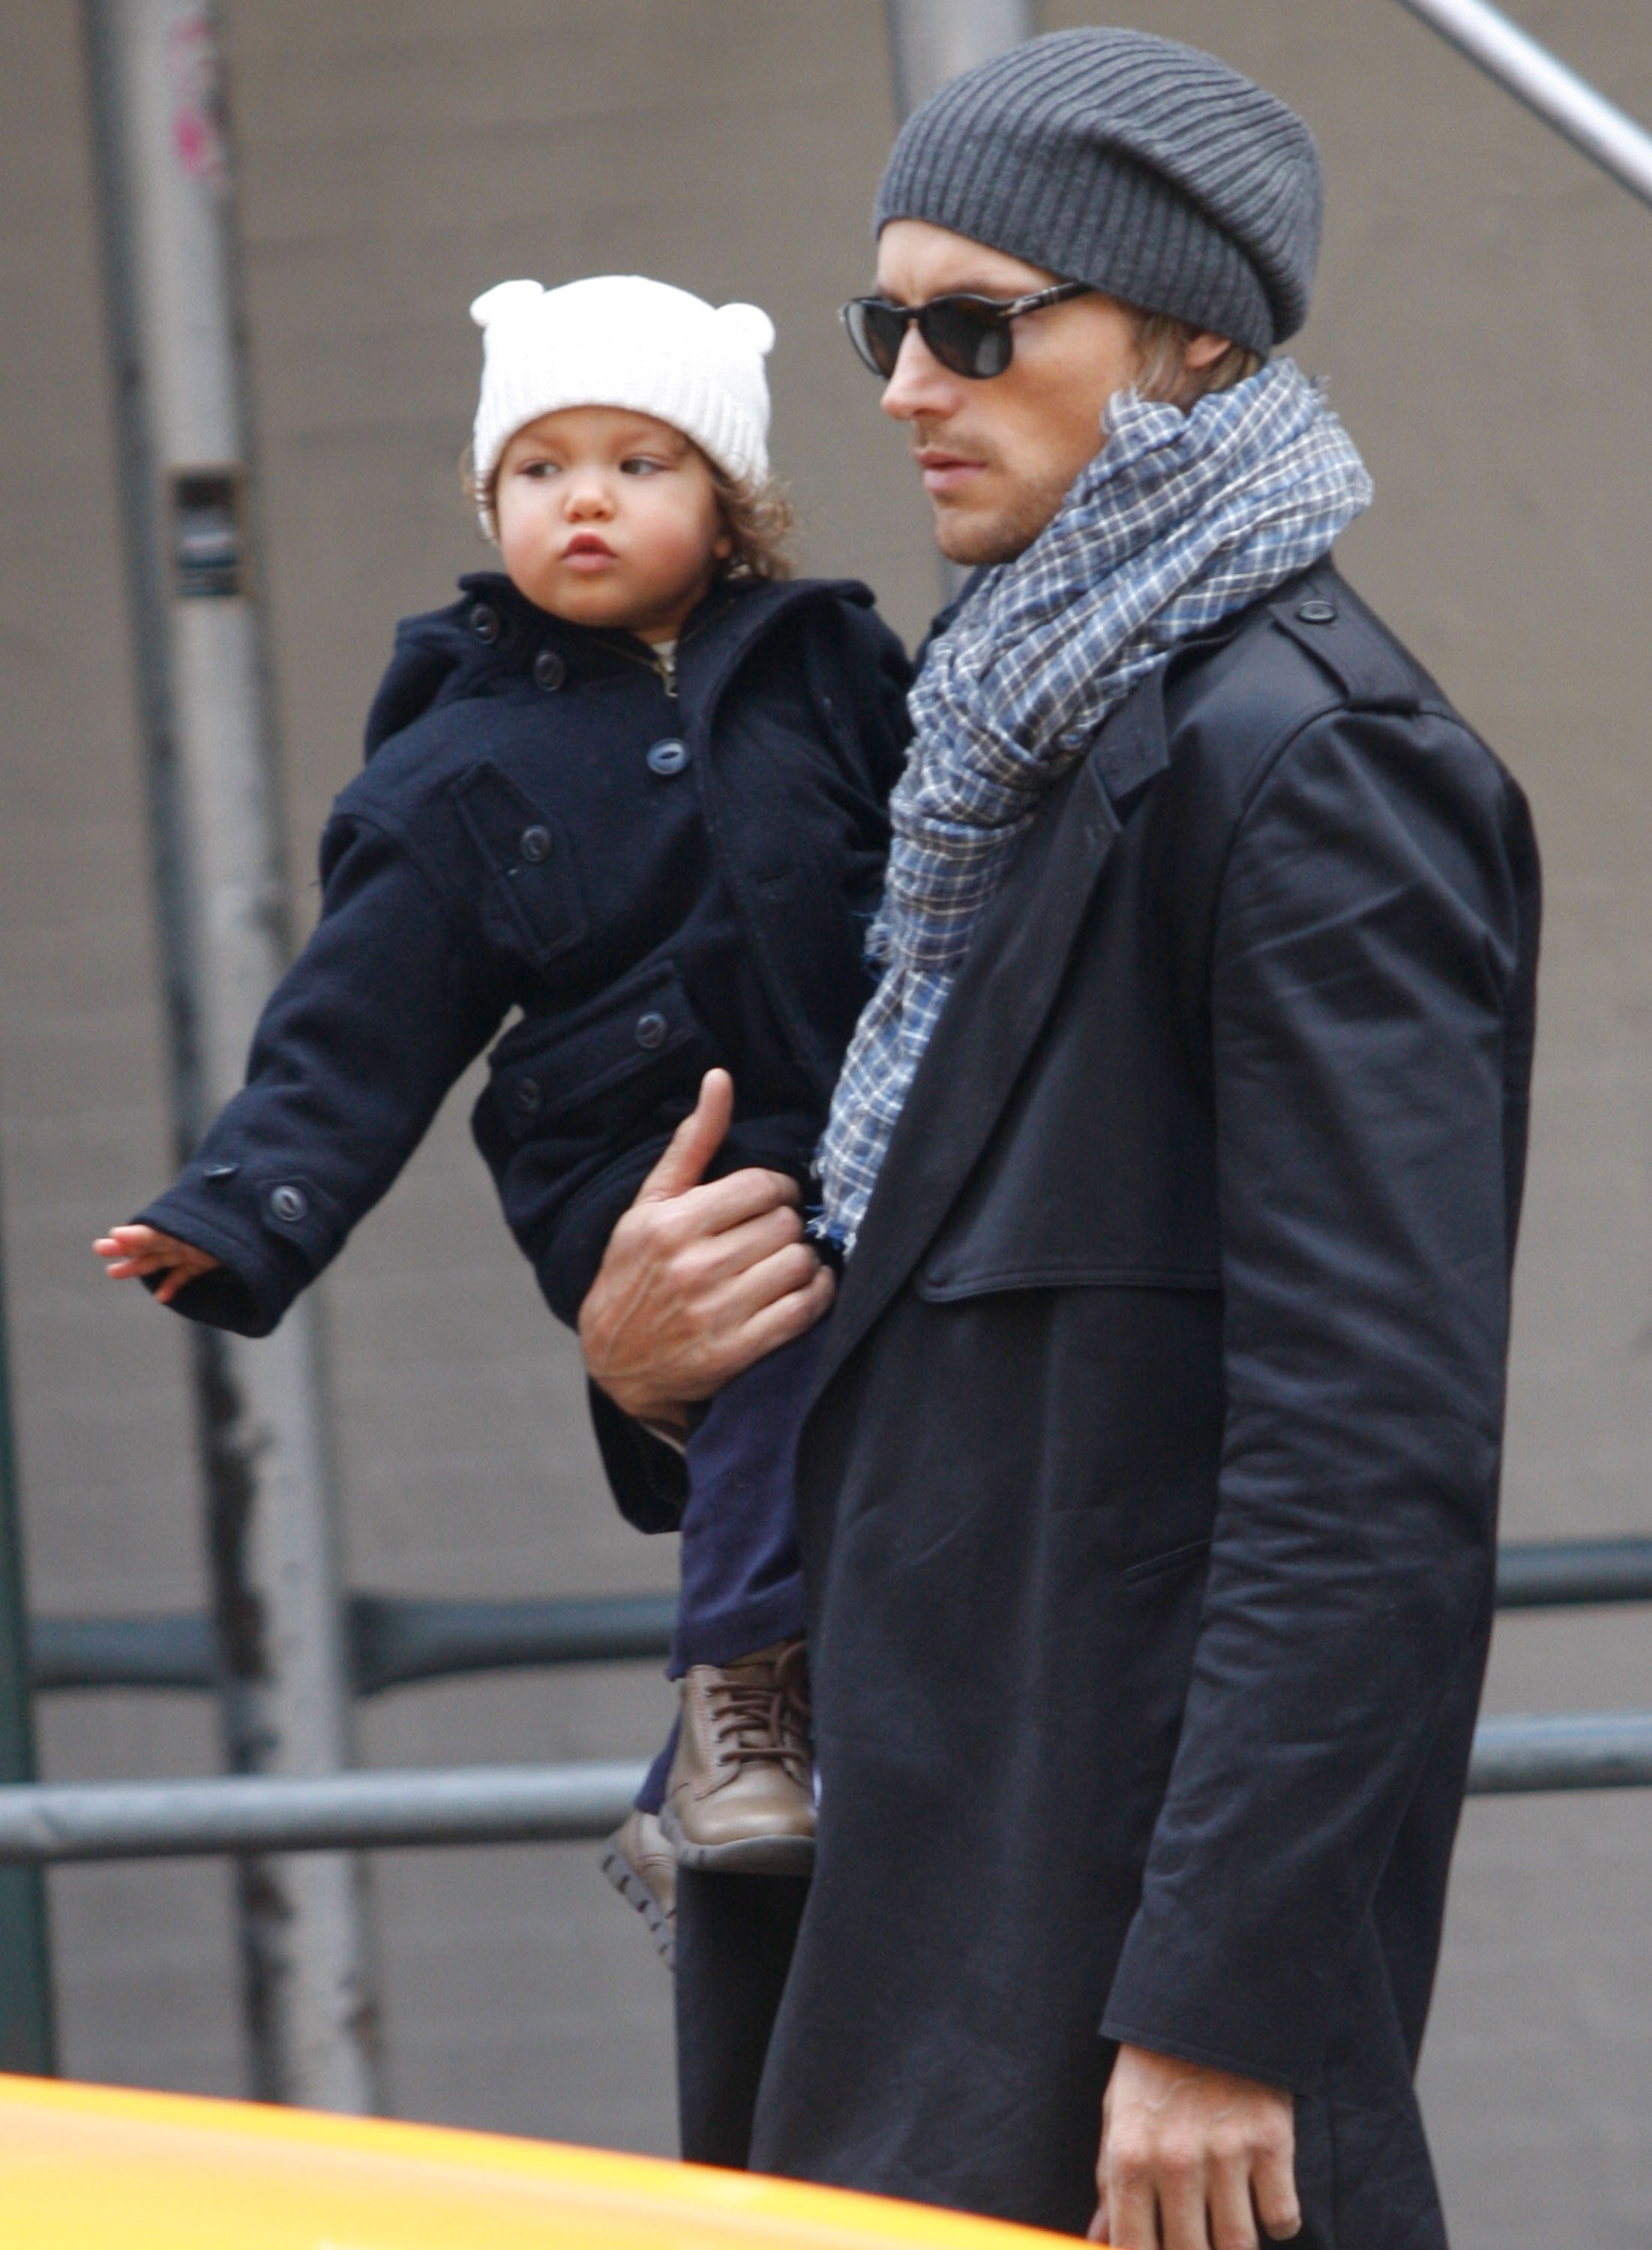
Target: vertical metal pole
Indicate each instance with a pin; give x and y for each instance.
(933, 40)
(929, 42)
(163, 160)
(26, 2042)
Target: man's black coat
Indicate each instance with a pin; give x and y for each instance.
(1149, 1495)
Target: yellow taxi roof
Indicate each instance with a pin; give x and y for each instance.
(90, 2167)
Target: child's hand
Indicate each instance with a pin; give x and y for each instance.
(130, 1252)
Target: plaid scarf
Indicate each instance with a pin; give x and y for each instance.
(1179, 521)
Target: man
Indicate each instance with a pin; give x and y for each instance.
(1149, 1490)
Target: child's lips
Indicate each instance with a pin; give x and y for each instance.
(587, 552)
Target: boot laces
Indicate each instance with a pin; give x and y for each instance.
(763, 1718)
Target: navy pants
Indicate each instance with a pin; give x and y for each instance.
(742, 1583)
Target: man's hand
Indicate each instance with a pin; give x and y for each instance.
(1192, 2159)
(699, 1281)
(130, 1252)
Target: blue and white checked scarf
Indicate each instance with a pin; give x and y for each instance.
(1180, 520)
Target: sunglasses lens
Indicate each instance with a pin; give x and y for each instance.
(971, 339)
(875, 330)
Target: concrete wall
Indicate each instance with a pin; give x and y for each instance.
(1483, 318)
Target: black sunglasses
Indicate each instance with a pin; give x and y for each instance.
(970, 335)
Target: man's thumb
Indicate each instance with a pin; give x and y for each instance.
(696, 1141)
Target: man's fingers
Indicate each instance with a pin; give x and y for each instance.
(1132, 2209)
(720, 1205)
(1232, 2218)
(696, 1141)
(1275, 2185)
(784, 1318)
(708, 1264)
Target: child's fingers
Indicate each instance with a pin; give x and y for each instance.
(135, 1252)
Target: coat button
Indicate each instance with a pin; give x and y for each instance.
(1315, 612)
(650, 1029)
(485, 623)
(535, 845)
(668, 758)
(289, 1204)
(526, 1097)
(549, 671)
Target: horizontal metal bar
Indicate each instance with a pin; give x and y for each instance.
(1578, 1749)
(392, 1641)
(1558, 95)
(1560, 1573)
(120, 1651)
(52, 1822)
(167, 1819)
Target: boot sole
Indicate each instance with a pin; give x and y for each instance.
(746, 1855)
(635, 1892)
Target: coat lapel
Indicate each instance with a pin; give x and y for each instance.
(995, 1014)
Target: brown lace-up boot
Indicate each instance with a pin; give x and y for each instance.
(642, 1866)
(741, 1800)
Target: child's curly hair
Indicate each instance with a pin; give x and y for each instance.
(757, 518)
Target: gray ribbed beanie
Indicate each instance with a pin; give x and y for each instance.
(1142, 166)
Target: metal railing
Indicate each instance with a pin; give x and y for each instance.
(1603, 131)
(46, 1823)
(395, 1641)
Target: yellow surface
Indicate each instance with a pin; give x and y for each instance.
(99, 2168)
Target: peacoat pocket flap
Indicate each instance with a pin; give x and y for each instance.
(532, 884)
(642, 1034)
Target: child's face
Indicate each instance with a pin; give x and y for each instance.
(608, 518)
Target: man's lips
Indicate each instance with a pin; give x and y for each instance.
(944, 472)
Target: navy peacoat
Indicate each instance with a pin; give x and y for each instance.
(659, 875)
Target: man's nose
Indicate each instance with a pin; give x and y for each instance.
(920, 384)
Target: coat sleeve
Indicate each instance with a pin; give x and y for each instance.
(1374, 940)
(353, 1055)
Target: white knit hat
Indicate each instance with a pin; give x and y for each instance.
(618, 340)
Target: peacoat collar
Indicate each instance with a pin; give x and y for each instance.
(997, 1007)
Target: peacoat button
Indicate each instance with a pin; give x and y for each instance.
(289, 1204)
(535, 845)
(1315, 612)
(485, 623)
(221, 1172)
(549, 671)
(527, 1097)
(668, 758)
(651, 1030)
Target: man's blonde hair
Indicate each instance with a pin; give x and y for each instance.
(1162, 342)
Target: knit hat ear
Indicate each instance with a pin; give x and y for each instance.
(748, 327)
(504, 299)
(620, 339)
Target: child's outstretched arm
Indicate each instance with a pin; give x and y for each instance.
(136, 1252)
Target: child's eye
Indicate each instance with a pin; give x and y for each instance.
(640, 464)
(537, 469)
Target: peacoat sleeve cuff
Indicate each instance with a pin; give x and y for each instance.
(263, 1261)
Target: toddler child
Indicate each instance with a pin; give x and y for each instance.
(634, 788)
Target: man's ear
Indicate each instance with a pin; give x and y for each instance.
(1203, 351)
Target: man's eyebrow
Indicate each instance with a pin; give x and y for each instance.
(1000, 292)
